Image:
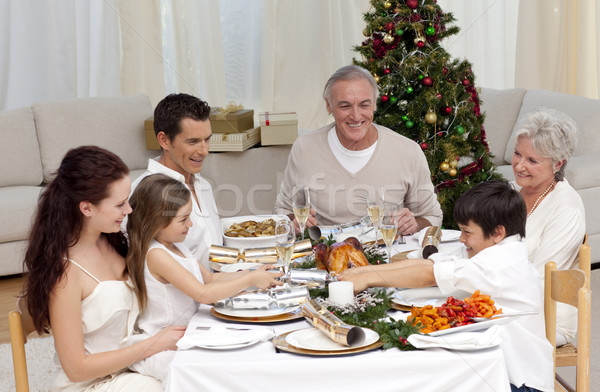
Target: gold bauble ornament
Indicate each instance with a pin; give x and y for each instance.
(444, 166)
(387, 5)
(452, 172)
(453, 164)
(430, 117)
(366, 33)
(377, 78)
(388, 38)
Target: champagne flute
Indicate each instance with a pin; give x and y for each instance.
(301, 206)
(284, 243)
(389, 228)
(375, 208)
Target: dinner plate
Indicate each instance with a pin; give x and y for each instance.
(420, 297)
(480, 326)
(251, 313)
(229, 346)
(281, 344)
(292, 313)
(447, 235)
(313, 339)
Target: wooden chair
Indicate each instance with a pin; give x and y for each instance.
(570, 287)
(20, 325)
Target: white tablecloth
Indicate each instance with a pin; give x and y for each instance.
(261, 368)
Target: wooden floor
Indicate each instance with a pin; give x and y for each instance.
(10, 288)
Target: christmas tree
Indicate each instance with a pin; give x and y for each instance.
(427, 96)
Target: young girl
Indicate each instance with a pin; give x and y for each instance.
(77, 282)
(172, 281)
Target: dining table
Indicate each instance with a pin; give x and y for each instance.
(263, 367)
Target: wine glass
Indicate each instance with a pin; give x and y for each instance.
(284, 243)
(375, 208)
(301, 206)
(389, 227)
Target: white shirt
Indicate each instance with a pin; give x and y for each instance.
(554, 232)
(206, 226)
(351, 160)
(504, 272)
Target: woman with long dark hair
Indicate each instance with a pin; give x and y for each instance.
(77, 283)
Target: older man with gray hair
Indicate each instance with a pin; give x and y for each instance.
(345, 162)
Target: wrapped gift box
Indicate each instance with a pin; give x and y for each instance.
(229, 122)
(151, 142)
(239, 141)
(278, 128)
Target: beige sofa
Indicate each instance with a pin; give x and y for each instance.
(36, 138)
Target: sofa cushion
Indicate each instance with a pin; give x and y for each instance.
(114, 123)
(585, 112)
(21, 152)
(581, 171)
(17, 208)
(501, 110)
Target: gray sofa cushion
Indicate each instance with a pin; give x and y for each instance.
(585, 112)
(115, 123)
(502, 109)
(21, 153)
(17, 208)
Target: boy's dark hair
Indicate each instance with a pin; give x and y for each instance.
(175, 107)
(491, 204)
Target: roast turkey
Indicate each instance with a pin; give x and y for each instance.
(340, 256)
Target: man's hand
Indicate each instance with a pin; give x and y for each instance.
(407, 223)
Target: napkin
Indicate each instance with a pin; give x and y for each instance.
(459, 341)
(223, 336)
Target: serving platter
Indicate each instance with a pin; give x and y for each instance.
(281, 343)
(480, 326)
(293, 313)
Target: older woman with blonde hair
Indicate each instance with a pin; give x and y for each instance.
(545, 140)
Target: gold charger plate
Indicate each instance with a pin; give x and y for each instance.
(293, 315)
(281, 344)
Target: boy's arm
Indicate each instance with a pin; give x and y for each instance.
(409, 274)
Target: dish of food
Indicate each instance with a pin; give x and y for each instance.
(480, 326)
(251, 231)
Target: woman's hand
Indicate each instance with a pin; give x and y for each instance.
(166, 339)
(266, 277)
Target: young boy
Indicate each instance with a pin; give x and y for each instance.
(491, 217)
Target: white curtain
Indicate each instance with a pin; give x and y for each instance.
(57, 50)
(269, 55)
(559, 46)
(487, 39)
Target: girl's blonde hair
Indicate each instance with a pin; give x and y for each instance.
(155, 203)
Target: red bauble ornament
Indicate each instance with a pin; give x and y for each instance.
(424, 146)
(466, 82)
(438, 96)
(389, 26)
(386, 71)
(420, 44)
(447, 110)
(385, 98)
(412, 4)
(440, 134)
(427, 81)
(445, 70)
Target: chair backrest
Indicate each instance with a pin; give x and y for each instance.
(20, 325)
(570, 287)
(585, 259)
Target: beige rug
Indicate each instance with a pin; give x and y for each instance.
(40, 365)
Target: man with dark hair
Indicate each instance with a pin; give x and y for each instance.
(491, 217)
(183, 131)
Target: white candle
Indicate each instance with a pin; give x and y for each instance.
(341, 293)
